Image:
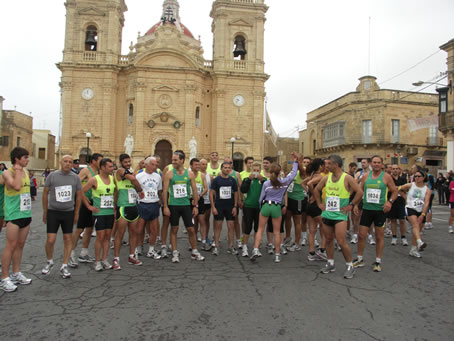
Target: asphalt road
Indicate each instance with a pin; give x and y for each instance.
(227, 297)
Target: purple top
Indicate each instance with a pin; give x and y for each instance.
(277, 193)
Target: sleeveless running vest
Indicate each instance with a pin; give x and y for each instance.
(18, 204)
(415, 197)
(103, 196)
(199, 183)
(213, 172)
(179, 189)
(127, 195)
(375, 193)
(295, 190)
(337, 197)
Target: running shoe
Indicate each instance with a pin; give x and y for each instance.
(415, 253)
(207, 247)
(394, 241)
(232, 251)
(245, 252)
(287, 241)
(422, 246)
(270, 249)
(377, 267)
(371, 240)
(199, 239)
(314, 257)
(7, 285)
(195, 255)
(134, 261)
(116, 264)
(259, 254)
(388, 233)
(450, 229)
(316, 243)
(164, 251)
(283, 249)
(328, 268)
(64, 272)
(86, 259)
(106, 265)
(303, 241)
(349, 272)
(175, 256)
(404, 242)
(125, 242)
(147, 237)
(112, 243)
(139, 250)
(277, 258)
(294, 248)
(153, 254)
(19, 278)
(336, 246)
(239, 244)
(215, 252)
(98, 266)
(358, 263)
(254, 255)
(321, 254)
(93, 234)
(47, 268)
(354, 239)
(73, 262)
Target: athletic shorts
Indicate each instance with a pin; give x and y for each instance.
(251, 218)
(103, 222)
(128, 213)
(412, 212)
(269, 225)
(271, 210)
(206, 207)
(22, 222)
(148, 211)
(201, 207)
(331, 222)
(451, 204)
(85, 217)
(297, 207)
(313, 210)
(369, 217)
(184, 212)
(224, 212)
(397, 210)
(431, 201)
(2, 211)
(55, 219)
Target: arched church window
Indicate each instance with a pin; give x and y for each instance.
(131, 114)
(91, 38)
(197, 116)
(239, 48)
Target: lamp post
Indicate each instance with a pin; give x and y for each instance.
(232, 140)
(87, 135)
(419, 83)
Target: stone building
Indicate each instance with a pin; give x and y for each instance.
(16, 130)
(401, 126)
(163, 92)
(43, 149)
(446, 105)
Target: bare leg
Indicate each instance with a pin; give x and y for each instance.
(51, 238)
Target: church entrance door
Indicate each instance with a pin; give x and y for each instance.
(164, 150)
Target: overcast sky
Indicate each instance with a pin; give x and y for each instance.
(315, 50)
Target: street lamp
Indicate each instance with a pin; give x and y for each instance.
(419, 83)
(88, 135)
(232, 140)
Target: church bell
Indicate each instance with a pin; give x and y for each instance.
(91, 40)
(239, 47)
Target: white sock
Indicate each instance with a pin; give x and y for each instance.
(132, 256)
(50, 261)
(256, 249)
(378, 260)
(419, 242)
(360, 258)
(64, 266)
(349, 263)
(331, 261)
(194, 251)
(304, 235)
(117, 258)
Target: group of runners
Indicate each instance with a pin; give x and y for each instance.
(316, 195)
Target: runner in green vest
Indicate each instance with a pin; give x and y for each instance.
(85, 222)
(177, 204)
(18, 216)
(335, 208)
(103, 209)
(376, 186)
(214, 167)
(127, 213)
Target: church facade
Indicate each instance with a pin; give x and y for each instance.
(163, 95)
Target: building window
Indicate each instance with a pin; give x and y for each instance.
(239, 48)
(367, 131)
(197, 117)
(302, 148)
(91, 38)
(5, 141)
(18, 141)
(314, 146)
(394, 160)
(395, 131)
(42, 153)
(131, 114)
(443, 102)
(333, 134)
(433, 136)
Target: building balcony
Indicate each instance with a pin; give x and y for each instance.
(434, 141)
(446, 121)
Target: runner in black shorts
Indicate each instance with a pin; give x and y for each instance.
(398, 208)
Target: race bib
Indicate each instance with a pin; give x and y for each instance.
(25, 202)
(290, 187)
(132, 196)
(418, 204)
(63, 193)
(333, 204)
(199, 188)
(225, 192)
(107, 201)
(151, 194)
(179, 191)
(373, 195)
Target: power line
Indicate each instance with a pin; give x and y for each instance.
(424, 87)
(412, 67)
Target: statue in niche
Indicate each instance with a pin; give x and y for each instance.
(129, 145)
(192, 148)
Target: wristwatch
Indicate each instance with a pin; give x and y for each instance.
(391, 201)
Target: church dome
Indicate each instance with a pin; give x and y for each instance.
(184, 30)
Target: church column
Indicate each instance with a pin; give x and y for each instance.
(218, 128)
(106, 133)
(189, 116)
(141, 138)
(66, 143)
(258, 115)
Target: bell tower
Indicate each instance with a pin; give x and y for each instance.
(89, 81)
(238, 75)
